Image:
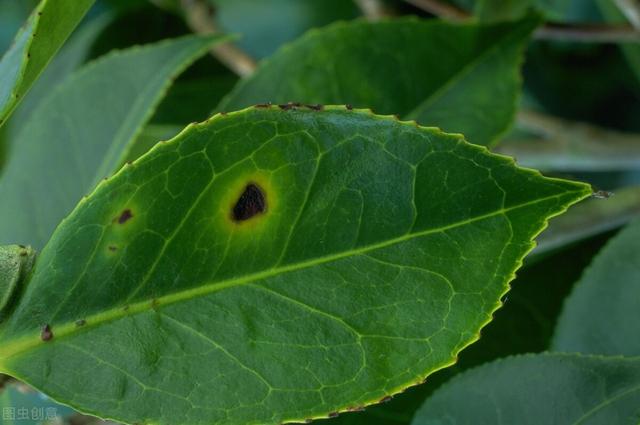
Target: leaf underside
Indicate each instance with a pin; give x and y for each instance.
(378, 252)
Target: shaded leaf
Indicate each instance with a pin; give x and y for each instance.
(366, 255)
(82, 133)
(35, 44)
(397, 67)
(602, 315)
(550, 389)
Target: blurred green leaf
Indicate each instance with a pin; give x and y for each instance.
(602, 315)
(82, 133)
(550, 389)
(397, 67)
(71, 56)
(34, 46)
(20, 405)
(338, 258)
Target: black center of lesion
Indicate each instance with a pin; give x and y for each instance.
(251, 202)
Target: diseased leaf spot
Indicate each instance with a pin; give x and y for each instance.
(81, 322)
(125, 216)
(112, 248)
(250, 203)
(46, 334)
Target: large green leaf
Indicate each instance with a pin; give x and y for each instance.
(602, 315)
(398, 67)
(82, 133)
(35, 44)
(550, 389)
(376, 251)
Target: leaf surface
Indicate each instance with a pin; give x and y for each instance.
(273, 265)
(35, 44)
(82, 132)
(602, 315)
(551, 389)
(398, 67)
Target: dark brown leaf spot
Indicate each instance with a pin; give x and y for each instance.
(113, 248)
(263, 105)
(349, 107)
(317, 107)
(250, 203)
(46, 334)
(125, 216)
(385, 399)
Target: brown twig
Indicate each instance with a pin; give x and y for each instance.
(587, 33)
(199, 18)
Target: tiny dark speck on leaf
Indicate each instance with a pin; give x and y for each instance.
(125, 216)
(113, 248)
(46, 334)
(250, 203)
(333, 414)
(81, 322)
(385, 399)
(349, 107)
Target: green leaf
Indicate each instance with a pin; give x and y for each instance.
(70, 57)
(602, 315)
(82, 133)
(15, 264)
(276, 264)
(397, 67)
(550, 389)
(37, 42)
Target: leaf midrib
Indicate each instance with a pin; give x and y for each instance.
(26, 343)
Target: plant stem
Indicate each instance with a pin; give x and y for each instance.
(585, 33)
(199, 18)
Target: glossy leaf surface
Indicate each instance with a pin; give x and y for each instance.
(274, 265)
(551, 389)
(35, 44)
(397, 67)
(602, 315)
(82, 132)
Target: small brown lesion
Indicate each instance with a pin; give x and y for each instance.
(46, 334)
(251, 203)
